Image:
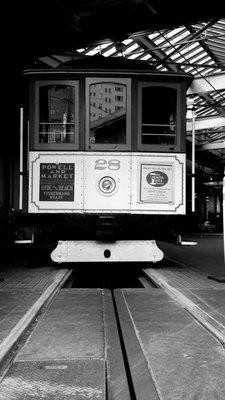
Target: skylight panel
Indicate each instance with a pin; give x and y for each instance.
(133, 56)
(205, 59)
(219, 95)
(190, 46)
(170, 50)
(199, 114)
(196, 51)
(196, 98)
(201, 102)
(198, 57)
(177, 56)
(93, 51)
(188, 50)
(159, 41)
(105, 45)
(199, 69)
(200, 109)
(131, 48)
(178, 39)
(109, 52)
(188, 69)
(210, 112)
(127, 41)
(207, 71)
(216, 44)
(152, 36)
(175, 31)
(194, 72)
(146, 57)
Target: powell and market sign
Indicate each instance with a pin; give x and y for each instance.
(56, 182)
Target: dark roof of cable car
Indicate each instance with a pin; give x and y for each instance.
(119, 65)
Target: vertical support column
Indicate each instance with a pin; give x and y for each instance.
(193, 164)
(28, 145)
(21, 161)
(224, 216)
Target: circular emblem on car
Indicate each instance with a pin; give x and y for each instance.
(157, 178)
(107, 185)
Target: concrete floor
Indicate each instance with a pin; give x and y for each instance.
(207, 255)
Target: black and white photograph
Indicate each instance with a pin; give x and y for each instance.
(112, 200)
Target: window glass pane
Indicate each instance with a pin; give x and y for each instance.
(107, 113)
(57, 114)
(159, 106)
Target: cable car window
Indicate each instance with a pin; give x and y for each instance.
(159, 109)
(161, 124)
(58, 116)
(108, 114)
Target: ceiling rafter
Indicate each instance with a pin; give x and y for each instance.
(207, 123)
(192, 36)
(212, 103)
(193, 48)
(205, 46)
(149, 46)
(217, 145)
(207, 84)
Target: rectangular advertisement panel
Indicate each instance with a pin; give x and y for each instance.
(157, 183)
(56, 182)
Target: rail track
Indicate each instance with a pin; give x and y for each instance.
(142, 340)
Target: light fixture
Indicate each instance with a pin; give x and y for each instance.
(107, 185)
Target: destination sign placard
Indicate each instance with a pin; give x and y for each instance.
(56, 182)
(156, 183)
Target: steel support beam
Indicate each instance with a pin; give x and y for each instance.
(206, 123)
(212, 146)
(208, 84)
(148, 45)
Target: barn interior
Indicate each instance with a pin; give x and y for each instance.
(191, 39)
(100, 329)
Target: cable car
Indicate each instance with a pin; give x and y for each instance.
(106, 156)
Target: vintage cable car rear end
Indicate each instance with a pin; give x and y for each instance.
(107, 155)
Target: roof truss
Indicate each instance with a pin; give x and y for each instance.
(198, 49)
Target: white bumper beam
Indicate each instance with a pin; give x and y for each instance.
(96, 251)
